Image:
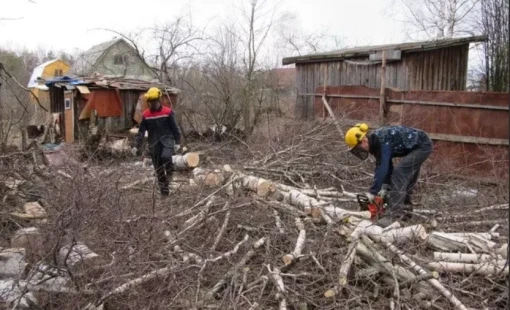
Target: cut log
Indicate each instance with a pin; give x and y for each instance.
(298, 199)
(448, 242)
(358, 230)
(434, 282)
(468, 258)
(31, 240)
(300, 243)
(33, 211)
(344, 270)
(12, 263)
(488, 236)
(486, 268)
(188, 160)
(260, 186)
(503, 250)
(399, 235)
(77, 255)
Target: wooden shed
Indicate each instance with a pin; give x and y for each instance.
(426, 65)
(114, 104)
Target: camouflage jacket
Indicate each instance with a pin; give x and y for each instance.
(388, 142)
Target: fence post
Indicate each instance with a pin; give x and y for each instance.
(382, 99)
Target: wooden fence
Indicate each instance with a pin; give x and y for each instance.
(470, 130)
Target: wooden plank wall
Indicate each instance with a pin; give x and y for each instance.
(440, 69)
(443, 123)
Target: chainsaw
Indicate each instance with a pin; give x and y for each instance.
(377, 207)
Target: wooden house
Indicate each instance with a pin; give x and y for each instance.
(115, 58)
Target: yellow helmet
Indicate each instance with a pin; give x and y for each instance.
(354, 135)
(153, 93)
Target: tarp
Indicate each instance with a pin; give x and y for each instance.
(106, 102)
(64, 79)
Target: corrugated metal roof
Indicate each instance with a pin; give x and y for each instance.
(367, 50)
(38, 71)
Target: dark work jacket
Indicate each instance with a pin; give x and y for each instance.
(161, 126)
(386, 143)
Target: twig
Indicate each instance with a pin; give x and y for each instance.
(222, 230)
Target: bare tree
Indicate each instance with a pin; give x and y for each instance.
(257, 19)
(292, 39)
(177, 40)
(437, 18)
(494, 22)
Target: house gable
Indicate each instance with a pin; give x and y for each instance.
(116, 58)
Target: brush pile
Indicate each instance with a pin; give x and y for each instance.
(267, 227)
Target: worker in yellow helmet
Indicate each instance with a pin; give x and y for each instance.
(412, 145)
(164, 137)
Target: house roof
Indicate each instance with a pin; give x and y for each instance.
(90, 57)
(38, 71)
(109, 82)
(367, 50)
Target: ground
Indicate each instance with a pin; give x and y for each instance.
(135, 232)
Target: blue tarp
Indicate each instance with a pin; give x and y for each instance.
(64, 79)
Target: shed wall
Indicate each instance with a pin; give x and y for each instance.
(439, 69)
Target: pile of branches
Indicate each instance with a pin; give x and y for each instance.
(101, 237)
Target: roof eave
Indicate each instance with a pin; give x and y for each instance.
(405, 47)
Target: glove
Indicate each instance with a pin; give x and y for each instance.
(370, 197)
(177, 147)
(134, 151)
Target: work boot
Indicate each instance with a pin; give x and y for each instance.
(165, 192)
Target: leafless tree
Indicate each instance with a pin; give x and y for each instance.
(175, 40)
(292, 39)
(436, 18)
(494, 22)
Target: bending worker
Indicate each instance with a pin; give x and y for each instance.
(385, 143)
(164, 137)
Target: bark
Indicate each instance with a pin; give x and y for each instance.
(74, 255)
(400, 235)
(468, 258)
(486, 268)
(300, 243)
(448, 242)
(434, 282)
(189, 160)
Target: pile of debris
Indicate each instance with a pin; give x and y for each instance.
(251, 235)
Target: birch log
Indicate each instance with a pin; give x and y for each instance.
(486, 268)
(78, 254)
(448, 242)
(298, 199)
(188, 160)
(434, 282)
(467, 258)
(399, 235)
(344, 270)
(300, 243)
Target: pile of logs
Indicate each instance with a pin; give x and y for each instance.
(253, 243)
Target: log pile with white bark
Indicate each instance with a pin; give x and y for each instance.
(235, 238)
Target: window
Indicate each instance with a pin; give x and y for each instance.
(120, 59)
(67, 103)
(58, 72)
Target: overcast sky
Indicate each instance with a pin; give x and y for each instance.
(67, 25)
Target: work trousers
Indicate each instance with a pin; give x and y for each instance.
(163, 165)
(405, 175)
